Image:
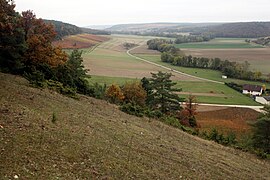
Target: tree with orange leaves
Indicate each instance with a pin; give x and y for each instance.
(114, 94)
(38, 37)
(190, 110)
(134, 93)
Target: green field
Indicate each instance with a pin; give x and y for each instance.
(219, 43)
(228, 95)
(204, 73)
(110, 80)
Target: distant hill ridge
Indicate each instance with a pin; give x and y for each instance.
(65, 29)
(233, 30)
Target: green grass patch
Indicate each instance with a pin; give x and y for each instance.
(110, 80)
(225, 95)
(230, 96)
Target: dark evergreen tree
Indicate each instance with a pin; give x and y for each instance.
(162, 96)
(261, 136)
(12, 43)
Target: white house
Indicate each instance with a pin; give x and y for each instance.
(224, 77)
(263, 100)
(253, 90)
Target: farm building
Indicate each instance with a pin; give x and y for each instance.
(224, 77)
(263, 100)
(252, 89)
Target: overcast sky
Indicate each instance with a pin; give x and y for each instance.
(98, 12)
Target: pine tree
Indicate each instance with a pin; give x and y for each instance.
(12, 43)
(162, 96)
(261, 136)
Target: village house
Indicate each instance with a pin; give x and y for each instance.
(263, 100)
(253, 90)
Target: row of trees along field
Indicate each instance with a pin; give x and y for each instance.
(170, 54)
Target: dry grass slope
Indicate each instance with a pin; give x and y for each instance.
(92, 139)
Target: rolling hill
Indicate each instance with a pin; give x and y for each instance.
(65, 29)
(231, 30)
(238, 30)
(154, 26)
(45, 135)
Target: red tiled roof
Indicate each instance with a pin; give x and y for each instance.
(251, 87)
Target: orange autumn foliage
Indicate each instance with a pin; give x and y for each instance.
(134, 93)
(39, 37)
(114, 94)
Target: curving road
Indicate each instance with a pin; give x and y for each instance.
(256, 108)
(170, 69)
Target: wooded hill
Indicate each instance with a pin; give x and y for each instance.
(237, 30)
(65, 29)
(230, 30)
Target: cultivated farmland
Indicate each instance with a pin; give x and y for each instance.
(259, 58)
(110, 59)
(80, 41)
(219, 43)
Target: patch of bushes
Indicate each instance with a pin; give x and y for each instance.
(60, 88)
(235, 86)
(220, 138)
(133, 109)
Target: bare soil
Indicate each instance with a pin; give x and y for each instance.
(227, 120)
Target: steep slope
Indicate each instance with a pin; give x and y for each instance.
(93, 139)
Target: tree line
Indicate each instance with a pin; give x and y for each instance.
(229, 68)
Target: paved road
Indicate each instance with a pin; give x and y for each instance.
(256, 108)
(170, 69)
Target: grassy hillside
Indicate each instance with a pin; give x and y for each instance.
(93, 139)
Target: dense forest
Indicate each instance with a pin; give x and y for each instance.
(236, 30)
(64, 29)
